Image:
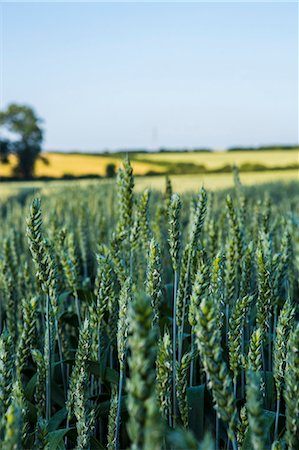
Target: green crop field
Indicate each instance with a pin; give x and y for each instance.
(151, 313)
(181, 183)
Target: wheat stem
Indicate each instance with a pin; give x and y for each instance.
(174, 346)
(120, 387)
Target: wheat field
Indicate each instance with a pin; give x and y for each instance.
(149, 319)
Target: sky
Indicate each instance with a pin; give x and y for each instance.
(108, 76)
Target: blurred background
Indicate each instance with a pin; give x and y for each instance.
(189, 89)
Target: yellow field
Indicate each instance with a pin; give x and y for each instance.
(76, 165)
(214, 160)
(181, 183)
(79, 165)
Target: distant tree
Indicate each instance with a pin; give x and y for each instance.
(22, 125)
(4, 150)
(110, 170)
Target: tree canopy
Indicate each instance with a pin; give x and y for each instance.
(22, 135)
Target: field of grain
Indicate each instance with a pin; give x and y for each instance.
(61, 165)
(215, 160)
(181, 183)
(185, 183)
(149, 319)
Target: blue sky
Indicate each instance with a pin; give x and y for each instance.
(120, 75)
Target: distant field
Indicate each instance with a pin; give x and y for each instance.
(78, 165)
(214, 160)
(181, 183)
(61, 165)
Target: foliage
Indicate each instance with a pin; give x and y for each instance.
(23, 124)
